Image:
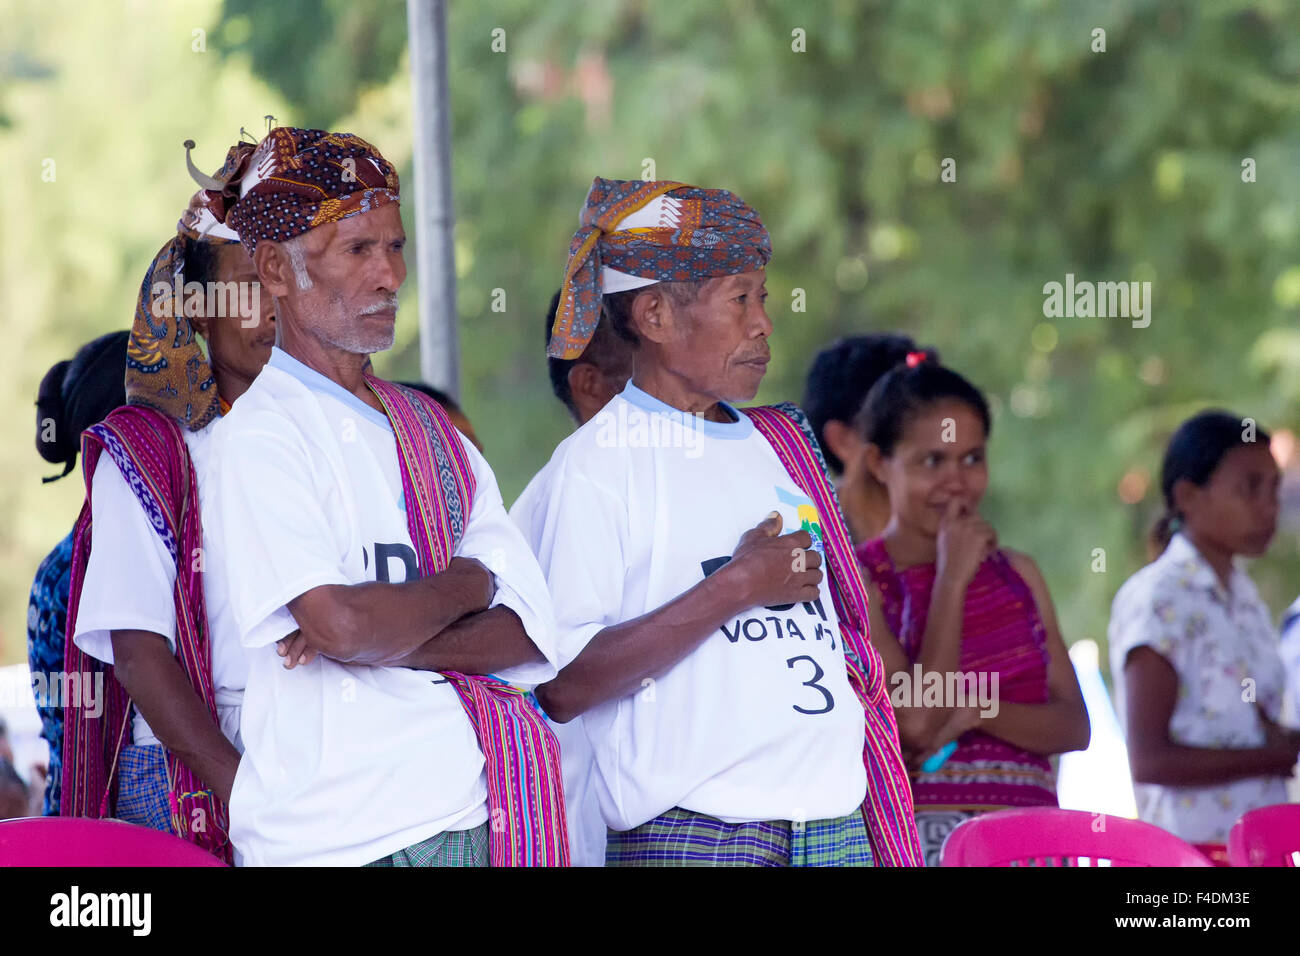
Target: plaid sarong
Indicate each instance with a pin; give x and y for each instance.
(933, 826)
(449, 848)
(685, 838)
(143, 795)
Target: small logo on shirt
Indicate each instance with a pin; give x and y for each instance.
(806, 515)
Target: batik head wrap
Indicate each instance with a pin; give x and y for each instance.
(633, 233)
(166, 368)
(303, 178)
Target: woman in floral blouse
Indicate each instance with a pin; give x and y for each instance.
(1193, 650)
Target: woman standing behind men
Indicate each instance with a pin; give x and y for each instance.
(947, 601)
(1193, 651)
(143, 599)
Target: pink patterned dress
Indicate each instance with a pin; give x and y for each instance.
(1004, 646)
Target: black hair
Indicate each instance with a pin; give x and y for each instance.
(79, 393)
(1194, 453)
(842, 374)
(606, 350)
(906, 390)
(200, 261)
(447, 403)
(616, 308)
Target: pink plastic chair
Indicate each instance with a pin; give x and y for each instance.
(75, 841)
(1047, 836)
(1268, 836)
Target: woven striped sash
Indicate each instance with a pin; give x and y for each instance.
(888, 806)
(150, 451)
(525, 791)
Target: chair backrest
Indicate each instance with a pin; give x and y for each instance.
(1268, 836)
(1047, 836)
(75, 841)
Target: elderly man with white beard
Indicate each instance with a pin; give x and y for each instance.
(376, 578)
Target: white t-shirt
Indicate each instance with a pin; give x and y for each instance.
(586, 826)
(344, 764)
(1216, 639)
(759, 722)
(131, 577)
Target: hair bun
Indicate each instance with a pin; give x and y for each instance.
(50, 413)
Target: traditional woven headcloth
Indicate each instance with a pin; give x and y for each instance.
(635, 233)
(165, 365)
(303, 178)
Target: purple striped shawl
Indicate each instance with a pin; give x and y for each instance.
(525, 790)
(150, 451)
(888, 806)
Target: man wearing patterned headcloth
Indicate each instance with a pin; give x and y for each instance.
(145, 608)
(381, 590)
(711, 617)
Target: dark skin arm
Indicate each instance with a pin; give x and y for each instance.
(964, 541)
(1059, 725)
(481, 643)
(379, 623)
(616, 661)
(1151, 690)
(921, 730)
(147, 668)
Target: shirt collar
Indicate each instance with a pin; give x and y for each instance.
(1182, 550)
(740, 425)
(323, 385)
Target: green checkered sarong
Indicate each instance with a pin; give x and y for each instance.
(685, 838)
(450, 848)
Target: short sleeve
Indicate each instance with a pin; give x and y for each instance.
(130, 575)
(581, 552)
(1143, 618)
(272, 528)
(492, 538)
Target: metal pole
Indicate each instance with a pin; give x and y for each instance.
(434, 217)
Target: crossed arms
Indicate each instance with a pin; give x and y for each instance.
(439, 623)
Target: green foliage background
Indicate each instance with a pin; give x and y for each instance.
(1119, 165)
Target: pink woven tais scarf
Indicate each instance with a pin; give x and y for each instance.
(525, 790)
(150, 451)
(888, 807)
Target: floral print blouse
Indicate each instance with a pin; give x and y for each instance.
(1223, 647)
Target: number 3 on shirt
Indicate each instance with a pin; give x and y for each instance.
(818, 674)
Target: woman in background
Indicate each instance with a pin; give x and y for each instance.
(1194, 655)
(838, 381)
(72, 396)
(970, 622)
